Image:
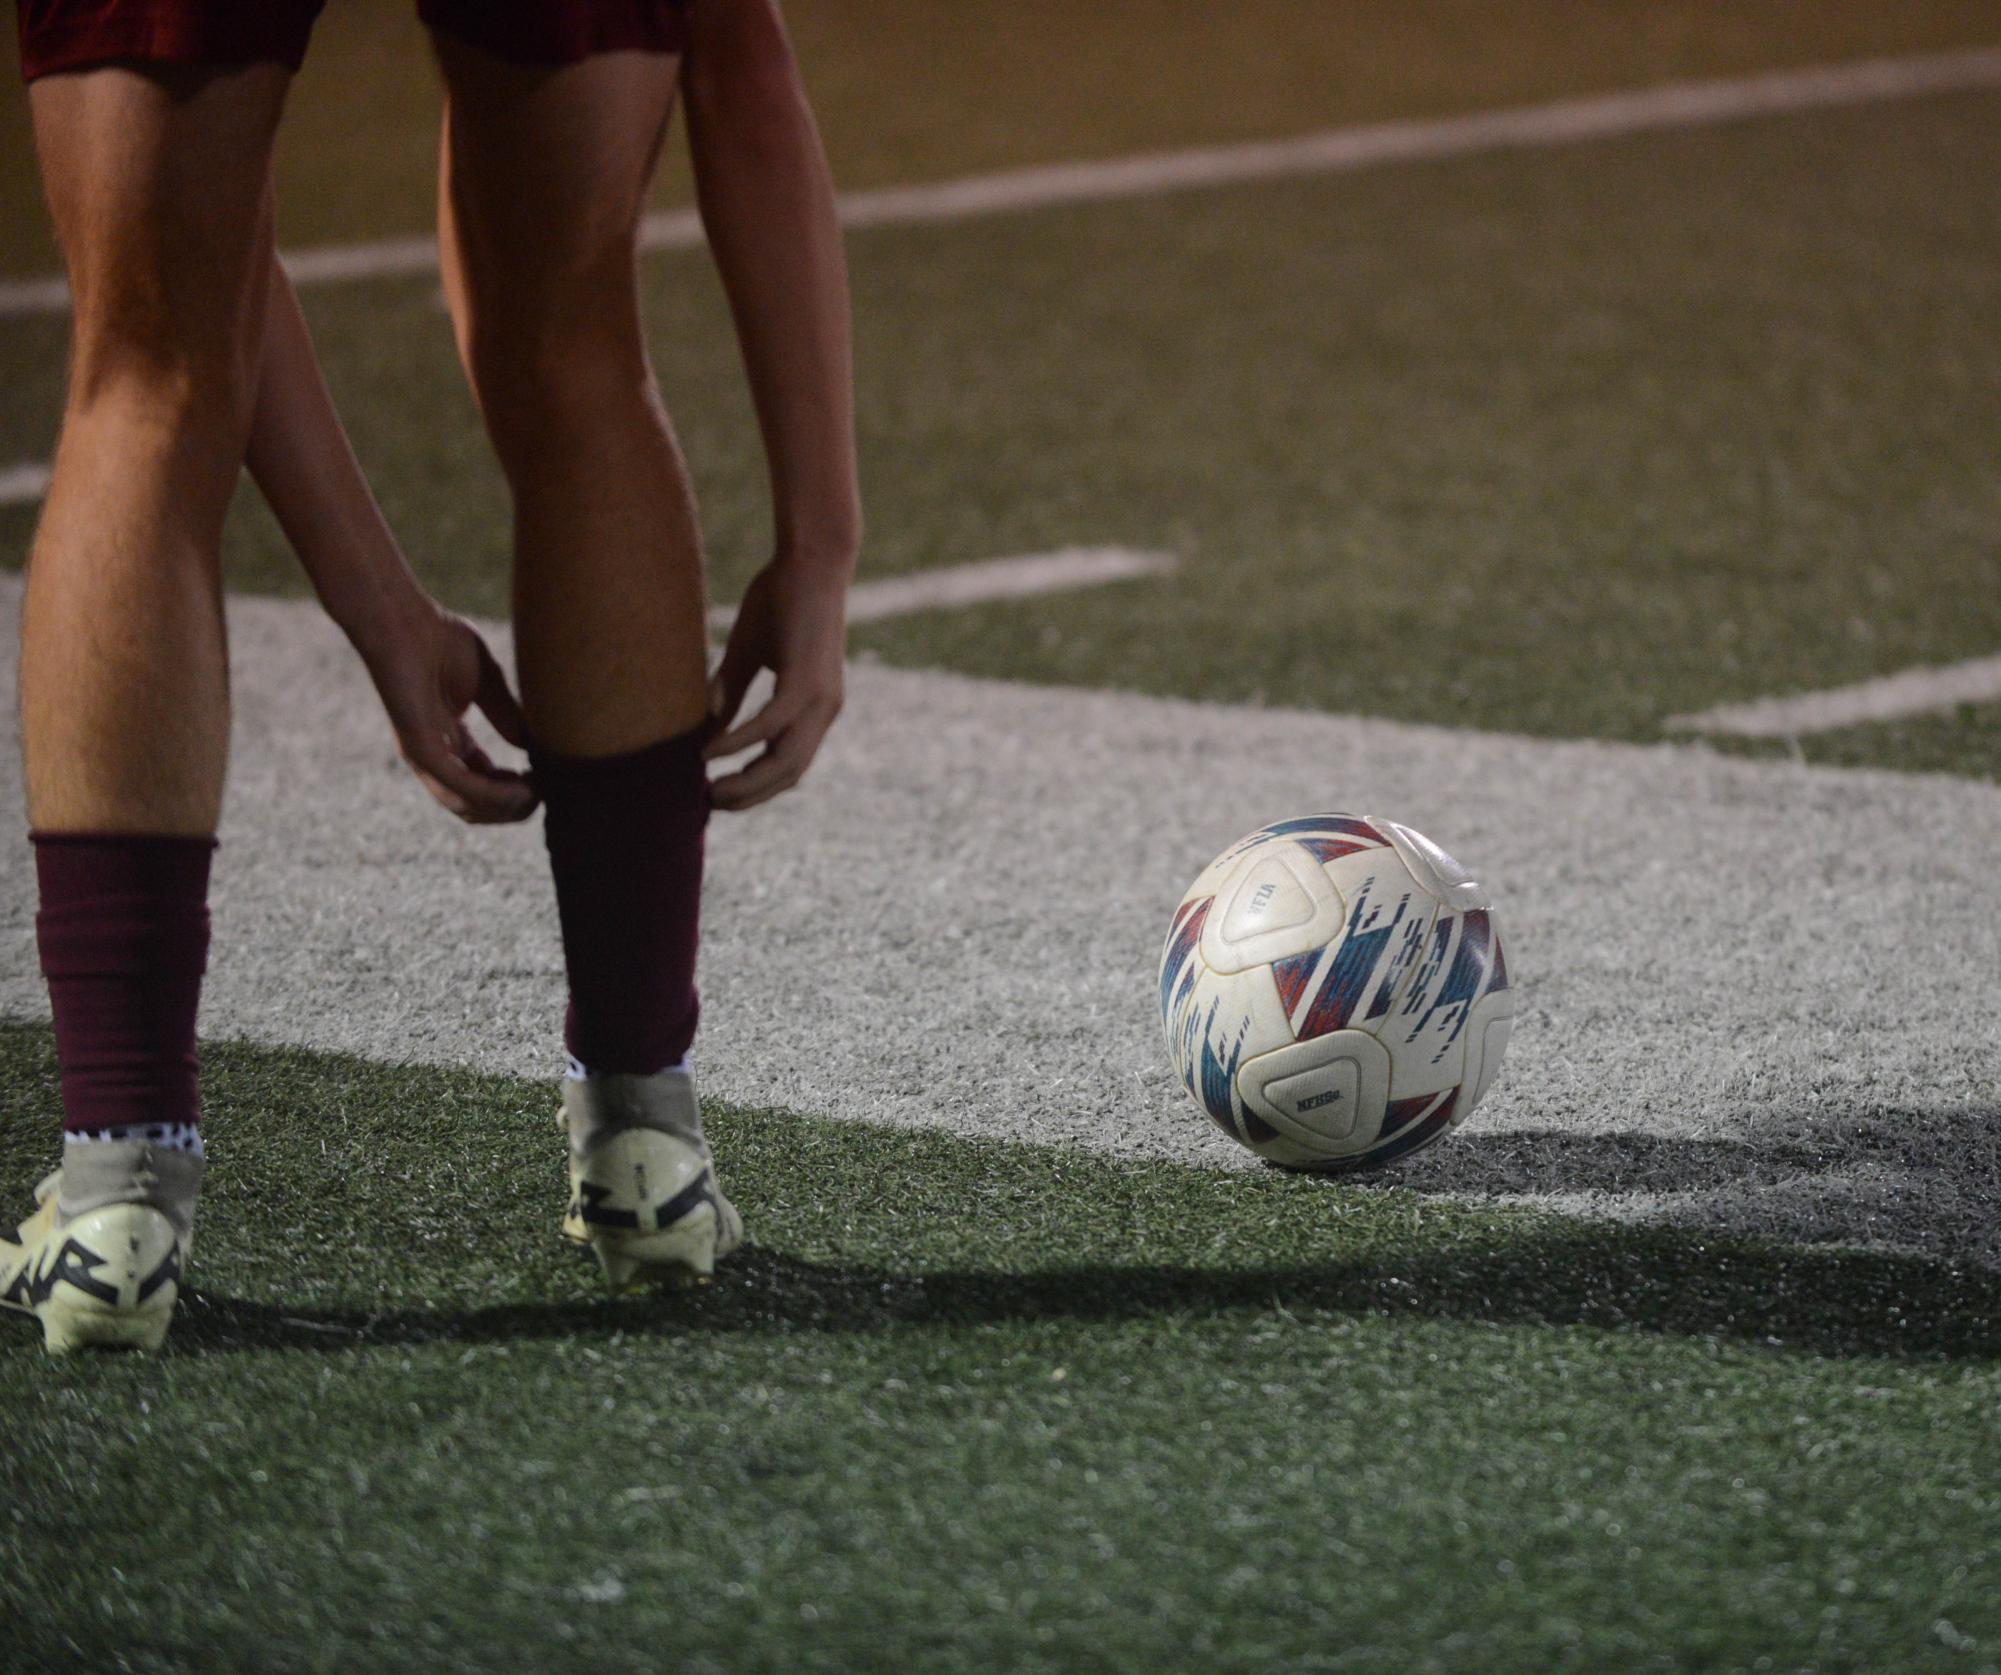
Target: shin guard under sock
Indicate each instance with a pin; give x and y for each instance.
(123, 933)
(625, 847)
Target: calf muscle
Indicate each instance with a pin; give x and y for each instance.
(159, 188)
(543, 182)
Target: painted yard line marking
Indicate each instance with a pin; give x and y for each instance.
(33, 296)
(23, 485)
(1601, 116)
(954, 923)
(1062, 571)
(1886, 698)
(1677, 105)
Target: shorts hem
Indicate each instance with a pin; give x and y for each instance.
(170, 39)
(554, 36)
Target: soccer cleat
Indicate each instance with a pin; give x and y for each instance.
(99, 1263)
(643, 1192)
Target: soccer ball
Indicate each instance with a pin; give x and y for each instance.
(1333, 992)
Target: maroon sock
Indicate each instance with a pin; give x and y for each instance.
(123, 932)
(625, 845)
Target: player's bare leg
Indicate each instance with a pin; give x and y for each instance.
(156, 182)
(544, 174)
(543, 180)
(158, 187)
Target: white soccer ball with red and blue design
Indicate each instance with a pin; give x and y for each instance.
(1334, 992)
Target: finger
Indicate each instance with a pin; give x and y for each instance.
(776, 770)
(479, 797)
(506, 797)
(468, 750)
(444, 795)
(761, 728)
(781, 712)
(497, 702)
(471, 752)
(731, 681)
(494, 806)
(764, 779)
(501, 803)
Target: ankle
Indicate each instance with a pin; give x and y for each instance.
(600, 1106)
(163, 1136)
(100, 1173)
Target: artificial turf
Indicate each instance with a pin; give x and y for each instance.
(972, 1406)
(908, 92)
(1561, 442)
(1963, 740)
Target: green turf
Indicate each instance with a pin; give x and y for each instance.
(967, 1406)
(1965, 741)
(1562, 442)
(914, 91)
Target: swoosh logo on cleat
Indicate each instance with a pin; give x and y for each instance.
(16, 1295)
(75, 1264)
(595, 1213)
(169, 1269)
(701, 1190)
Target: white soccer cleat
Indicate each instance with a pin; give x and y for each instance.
(643, 1190)
(99, 1263)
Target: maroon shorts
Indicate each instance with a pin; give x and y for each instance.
(77, 34)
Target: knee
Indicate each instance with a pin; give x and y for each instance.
(558, 356)
(134, 355)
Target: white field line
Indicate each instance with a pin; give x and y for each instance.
(33, 296)
(1886, 698)
(23, 485)
(1677, 105)
(1062, 571)
(956, 920)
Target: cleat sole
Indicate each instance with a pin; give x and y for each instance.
(677, 1257)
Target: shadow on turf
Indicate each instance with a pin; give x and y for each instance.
(1543, 1162)
(1833, 1303)
(1927, 1181)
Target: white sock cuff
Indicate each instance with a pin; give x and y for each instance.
(168, 1136)
(575, 1070)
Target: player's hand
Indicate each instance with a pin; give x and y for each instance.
(794, 622)
(430, 673)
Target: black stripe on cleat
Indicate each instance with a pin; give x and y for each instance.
(594, 1213)
(169, 1269)
(701, 1190)
(75, 1264)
